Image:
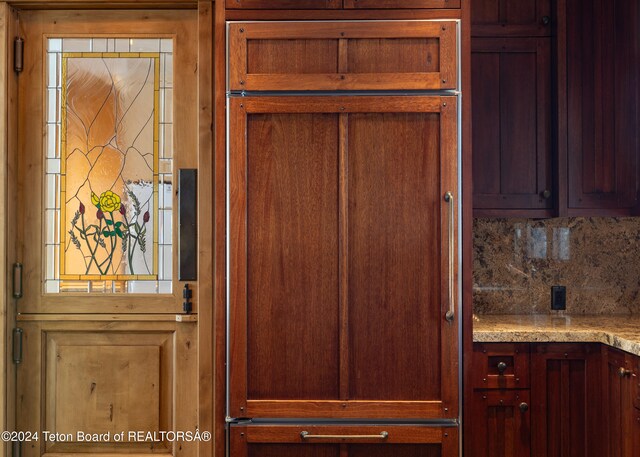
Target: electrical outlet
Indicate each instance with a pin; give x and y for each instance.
(558, 298)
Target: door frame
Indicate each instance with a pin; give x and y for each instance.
(8, 160)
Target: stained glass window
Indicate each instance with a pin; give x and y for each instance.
(109, 165)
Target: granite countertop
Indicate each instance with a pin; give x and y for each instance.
(621, 331)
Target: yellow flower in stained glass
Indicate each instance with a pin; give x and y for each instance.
(109, 202)
(95, 200)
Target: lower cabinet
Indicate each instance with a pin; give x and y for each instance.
(584, 401)
(565, 394)
(306, 440)
(501, 423)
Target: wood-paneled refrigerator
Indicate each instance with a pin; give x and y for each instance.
(343, 238)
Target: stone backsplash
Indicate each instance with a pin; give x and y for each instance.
(516, 261)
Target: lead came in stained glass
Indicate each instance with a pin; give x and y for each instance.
(108, 119)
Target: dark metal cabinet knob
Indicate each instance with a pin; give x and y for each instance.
(546, 194)
(546, 20)
(502, 367)
(524, 407)
(623, 372)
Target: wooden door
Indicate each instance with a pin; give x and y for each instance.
(343, 258)
(305, 440)
(618, 403)
(602, 104)
(511, 115)
(525, 18)
(107, 117)
(501, 423)
(566, 400)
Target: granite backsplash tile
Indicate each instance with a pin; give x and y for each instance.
(516, 261)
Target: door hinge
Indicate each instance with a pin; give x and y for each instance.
(18, 54)
(17, 345)
(16, 449)
(17, 280)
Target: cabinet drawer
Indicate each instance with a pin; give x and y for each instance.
(343, 440)
(500, 365)
(300, 56)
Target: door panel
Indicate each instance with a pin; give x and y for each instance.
(339, 440)
(107, 117)
(292, 244)
(394, 255)
(501, 427)
(106, 378)
(143, 202)
(369, 55)
(338, 253)
(511, 114)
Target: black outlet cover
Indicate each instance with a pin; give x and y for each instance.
(558, 298)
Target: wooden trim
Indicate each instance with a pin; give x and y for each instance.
(343, 267)
(104, 4)
(107, 317)
(350, 409)
(338, 104)
(559, 94)
(6, 398)
(466, 338)
(206, 367)
(219, 226)
(241, 33)
(363, 4)
(449, 183)
(346, 14)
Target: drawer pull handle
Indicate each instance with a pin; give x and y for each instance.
(381, 436)
(448, 197)
(502, 367)
(524, 407)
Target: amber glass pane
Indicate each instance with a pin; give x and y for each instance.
(109, 166)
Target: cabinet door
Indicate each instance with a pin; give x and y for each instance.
(364, 55)
(602, 104)
(511, 18)
(501, 423)
(618, 404)
(343, 441)
(566, 400)
(511, 126)
(341, 273)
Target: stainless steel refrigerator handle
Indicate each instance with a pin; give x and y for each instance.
(448, 197)
(380, 436)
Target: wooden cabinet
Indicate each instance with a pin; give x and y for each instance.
(308, 440)
(501, 401)
(315, 187)
(602, 93)
(565, 397)
(340, 277)
(512, 167)
(620, 381)
(511, 77)
(511, 18)
(388, 55)
(340, 4)
(501, 423)
(583, 401)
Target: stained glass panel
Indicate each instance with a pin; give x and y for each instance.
(109, 166)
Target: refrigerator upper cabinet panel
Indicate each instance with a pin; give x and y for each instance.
(343, 265)
(332, 56)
